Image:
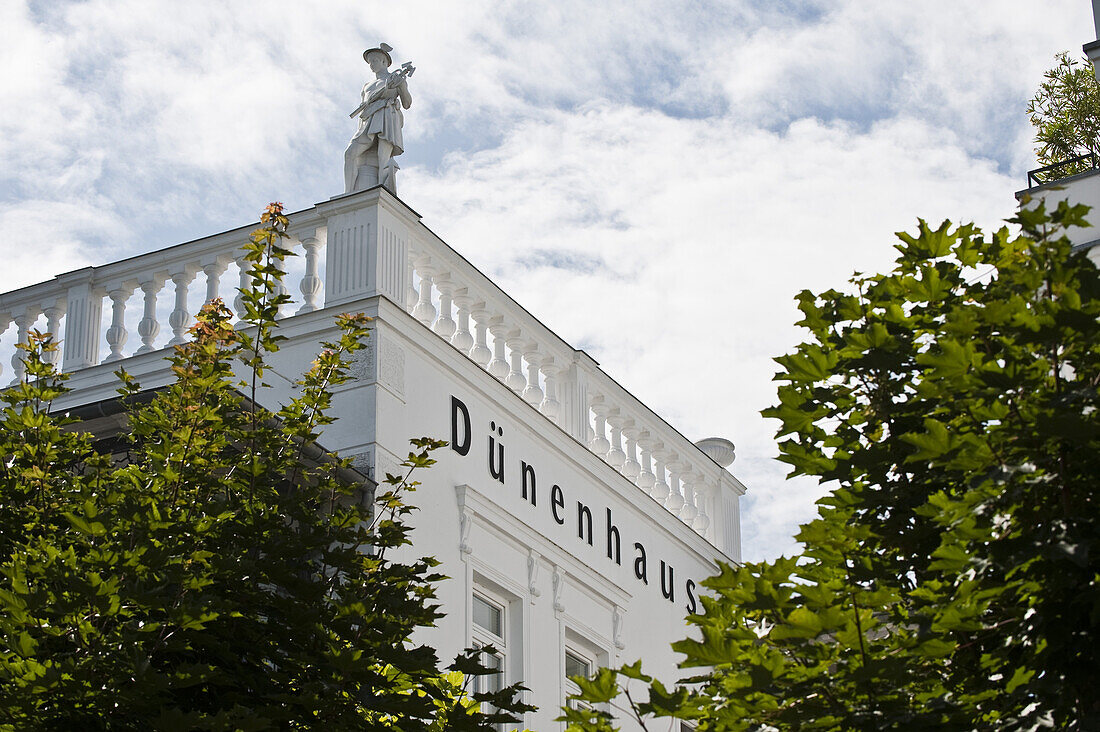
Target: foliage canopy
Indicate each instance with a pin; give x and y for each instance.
(217, 570)
(950, 580)
(1065, 113)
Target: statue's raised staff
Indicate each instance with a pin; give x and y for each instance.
(369, 159)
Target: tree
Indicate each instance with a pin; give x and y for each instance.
(1065, 113)
(219, 570)
(950, 578)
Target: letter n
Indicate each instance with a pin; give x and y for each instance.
(584, 520)
(528, 472)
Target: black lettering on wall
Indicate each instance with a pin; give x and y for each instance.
(461, 445)
(557, 500)
(640, 570)
(613, 540)
(584, 519)
(528, 471)
(669, 589)
(496, 470)
(691, 606)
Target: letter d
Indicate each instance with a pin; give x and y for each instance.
(458, 409)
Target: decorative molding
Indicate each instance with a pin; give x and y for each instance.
(381, 361)
(617, 619)
(364, 463)
(559, 585)
(361, 364)
(533, 558)
(507, 527)
(391, 367)
(465, 520)
(375, 462)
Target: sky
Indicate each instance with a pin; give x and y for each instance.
(655, 181)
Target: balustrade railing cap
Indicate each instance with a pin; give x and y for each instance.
(351, 201)
(28, 293)
(585, 359)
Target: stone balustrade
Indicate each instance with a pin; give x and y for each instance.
(462, 306)
(138, 305)
(363, 245)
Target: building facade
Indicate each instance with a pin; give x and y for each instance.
(574, 523)
(1051, 185)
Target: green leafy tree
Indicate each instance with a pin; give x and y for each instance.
(218, 570)
(1065, 113)
(950, 580)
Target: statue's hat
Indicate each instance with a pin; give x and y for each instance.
(384, 49)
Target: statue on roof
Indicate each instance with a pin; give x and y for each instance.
(369, 159)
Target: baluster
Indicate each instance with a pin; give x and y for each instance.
(5, 321)
(213, 272)
(281, 290)
(148, 327)
(646, 478)
(480, 353)
(311, 284)
(631, 469)
(53, 315)
(515, 380)
(444, 325)
(424, 310)
(498, 367)
(462, 338)
(23, 323)
(410, 293)
(660, 488)
(702, 501)
(244, 282)
(599, 444)
(688, 512)
(550, 405)
(180, 319)
(117, 333)
(532, 394)
(616, 457)
(675, 500)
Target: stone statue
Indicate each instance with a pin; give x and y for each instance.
(369, 159)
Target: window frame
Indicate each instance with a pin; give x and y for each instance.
(482, 636)
(568, 685)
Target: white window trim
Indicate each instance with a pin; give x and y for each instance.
(583, 654)
(582, 642)
(488, 584)
(484, 637)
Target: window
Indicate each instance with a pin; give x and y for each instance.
(489, 630)
(577, 663)
(489, 617)
(496, 617)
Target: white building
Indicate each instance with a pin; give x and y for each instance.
(1045, 184)
(575, 523)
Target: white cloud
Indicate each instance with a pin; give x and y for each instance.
(703, 252)
(42, 239)
(705, 162)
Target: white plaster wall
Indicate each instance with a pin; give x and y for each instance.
(505, 528)
(1083, 188)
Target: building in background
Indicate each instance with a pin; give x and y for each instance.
(1051, 184)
